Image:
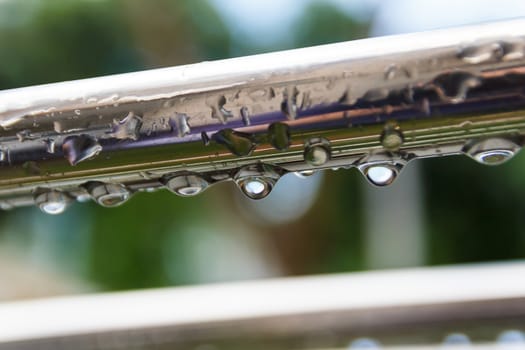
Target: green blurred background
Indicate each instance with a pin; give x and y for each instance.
(442, 211)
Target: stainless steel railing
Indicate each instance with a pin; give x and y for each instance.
(373, 104)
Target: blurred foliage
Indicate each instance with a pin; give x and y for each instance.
(474, 213)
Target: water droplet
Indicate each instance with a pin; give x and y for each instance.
(257, 181)
(380, 175)
(52, 202)
(454, 87)
(220, 112)
(481, 53)
(77, 111)
(205, 139)
(50, 145)
(391, 72)
(80, 147)
(179, 124)
(127, 128)
(4, 155)
(279, 135)
(289, 104)
(245, 115)
(186, 185)
(256, 187)
(513, 50)
(25, 135)
(240, 144)
(317, 151)
(108, 194)
(392, 138)
(494, 151)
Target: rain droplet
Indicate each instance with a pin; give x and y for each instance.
(205, 139)
(186, 185)
(238, 143)
(220, 112)
(317, 151)
(391, 72)
(494, 151)
(256, 187)
(279, 135)
(481, 53)
(108, 194)
(380, 175)
(80, 147)
(50, 145)
(52, 202)
(289, 104)
(245, 115)
(179, 124)
(127, 128)
(454, 87)
(513, 50)
(77, 111)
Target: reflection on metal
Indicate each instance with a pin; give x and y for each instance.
(456, 91)
(416, 307)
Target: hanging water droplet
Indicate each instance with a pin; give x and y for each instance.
(127, 128)
(4, 155)
(454, 87)
(493, 151)
(220, 112)
(240, 144)
(245, 115)
(481, 53)
(317, 151)
(279, 135)
(179, 124)
(50, 145)
(257, 181)
(52, 202)
(513, 50)
(289, 104)
(80, 147)
(391, 72)
(205, 138)
(186, 185)
(108, 194)
(380, 175)
(256, 187)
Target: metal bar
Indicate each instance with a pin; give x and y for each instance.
(414, 306)
(373, 104)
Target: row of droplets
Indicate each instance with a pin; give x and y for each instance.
(257, 181)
